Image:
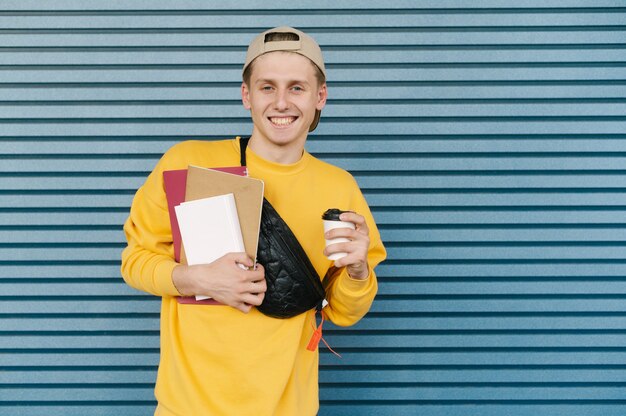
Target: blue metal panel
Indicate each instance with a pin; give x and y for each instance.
(489, 139)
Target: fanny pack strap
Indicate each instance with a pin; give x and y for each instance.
(243, 144)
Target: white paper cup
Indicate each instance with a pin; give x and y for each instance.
(331, 225)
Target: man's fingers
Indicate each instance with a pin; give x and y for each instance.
(351, 216)
(336, 248)
(343, 233)
(254, 275)
(240, 258)
(259, 286)
(254, 299)
(244, 307)
(357, 219)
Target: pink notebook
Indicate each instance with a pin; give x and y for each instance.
(175, 183)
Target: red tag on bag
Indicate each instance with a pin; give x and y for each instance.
(317, 336)
(315, 339)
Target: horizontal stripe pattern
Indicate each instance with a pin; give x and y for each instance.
(489, 140)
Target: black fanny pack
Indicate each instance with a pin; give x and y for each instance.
(293, 285)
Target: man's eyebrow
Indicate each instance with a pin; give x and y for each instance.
(271, 81)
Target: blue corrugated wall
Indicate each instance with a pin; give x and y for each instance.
(489, 138)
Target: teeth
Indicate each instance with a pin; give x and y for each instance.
(282, 121)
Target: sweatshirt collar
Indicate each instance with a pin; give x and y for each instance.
(257, 163)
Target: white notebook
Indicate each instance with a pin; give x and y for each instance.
(209, 229)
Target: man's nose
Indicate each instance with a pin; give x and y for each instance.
(281, 101)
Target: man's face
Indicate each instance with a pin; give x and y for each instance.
(282, 98)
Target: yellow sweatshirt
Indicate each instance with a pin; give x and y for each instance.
(216, 360)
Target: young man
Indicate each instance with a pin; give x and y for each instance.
(231, 359)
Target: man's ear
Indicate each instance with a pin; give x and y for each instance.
(245, 96)
(322, 96)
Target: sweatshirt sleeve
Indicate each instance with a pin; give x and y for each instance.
(350, 299)
(148, 259)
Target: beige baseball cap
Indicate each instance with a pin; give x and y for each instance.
(305, 46)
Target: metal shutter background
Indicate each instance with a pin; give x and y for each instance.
(489, 138)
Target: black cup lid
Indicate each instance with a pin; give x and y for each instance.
(332, 214)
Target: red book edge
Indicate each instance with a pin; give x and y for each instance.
(175, 184)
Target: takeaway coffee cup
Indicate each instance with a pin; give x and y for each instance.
(332, 221)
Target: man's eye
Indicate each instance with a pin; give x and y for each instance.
(297, 88)
(266, 88)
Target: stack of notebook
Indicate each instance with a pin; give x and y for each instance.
(212, 212)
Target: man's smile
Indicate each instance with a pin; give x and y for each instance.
(282, 121)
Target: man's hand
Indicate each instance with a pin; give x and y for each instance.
(357, 247)
(224, 280)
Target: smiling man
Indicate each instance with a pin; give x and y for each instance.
(230, 359)
(284, 99)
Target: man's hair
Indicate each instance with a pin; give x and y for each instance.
(279, 37)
